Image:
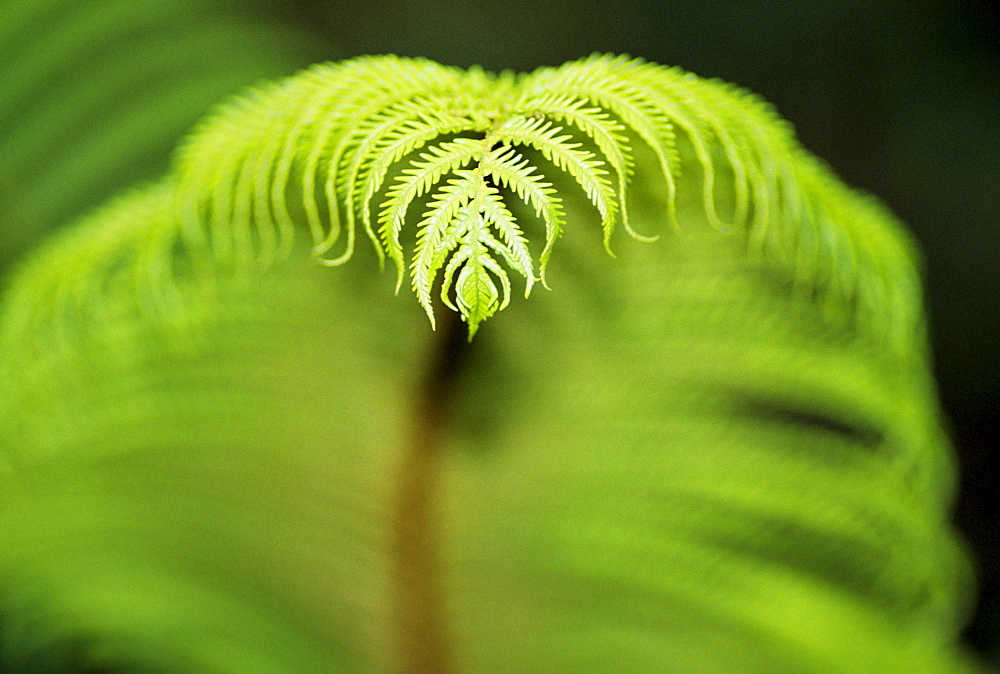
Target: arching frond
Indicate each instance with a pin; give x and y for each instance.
(602, 81)
(433, 164)
(513, 246)
(560, 149)
(476, 294)
(515, 172)
(380, 133)
(600, 128)
(379, 153)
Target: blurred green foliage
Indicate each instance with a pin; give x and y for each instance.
(671, 458)
(96, 94)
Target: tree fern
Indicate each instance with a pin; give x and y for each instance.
(719, 451)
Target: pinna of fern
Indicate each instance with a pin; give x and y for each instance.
(361, 143)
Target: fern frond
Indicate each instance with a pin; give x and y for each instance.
(476, 295)
(350, 94)
(513, 171)
(562, 151)
(356, 148)
(432, 165)
(380, 152)
(678, 94)
(606, 133)
(513, 246)
(380, 133)
(603, 81)
(230, 163)
(461, 215)
(438, 234)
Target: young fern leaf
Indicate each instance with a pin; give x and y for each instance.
(463, 202)
(514, 247)
(437, 235)
(384, 133)
(516, 173)
(351, 128)
(408, 130)
(598, 81)
(606, 133)
(476, 294)
(433, 164)
(566, 155)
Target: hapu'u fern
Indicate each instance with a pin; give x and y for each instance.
(720, 452)
(364, 143)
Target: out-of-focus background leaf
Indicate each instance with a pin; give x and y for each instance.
(902, 98)
(95, 95)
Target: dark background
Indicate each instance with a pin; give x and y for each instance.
(901, 97)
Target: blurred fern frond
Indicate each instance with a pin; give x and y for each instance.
(95, 95)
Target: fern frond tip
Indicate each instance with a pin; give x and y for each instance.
(365, 142)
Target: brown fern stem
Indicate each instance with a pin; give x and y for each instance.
(419, 608)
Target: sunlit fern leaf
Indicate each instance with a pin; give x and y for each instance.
(396, 135)
(513, 246)
(515, 172)
(462, 213)
(599, 80)
(601, 129)
(476, 294)
(430, 167)
(560, 149)
(381, 133)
